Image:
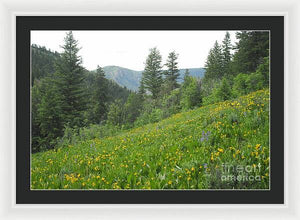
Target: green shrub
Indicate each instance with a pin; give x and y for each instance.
(221, 92)
(74, 136)
(171, 103)
(264, 70)
(210, 99)
(191, 96)
(254, 82)
(240, 85)
(146, 118)
(246, 83)
(115, 114)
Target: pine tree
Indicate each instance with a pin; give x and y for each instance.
(251, 49)
(132, 108)
(214, 64)
(186, 80)
(49, 113)
(190, 93)
(226, 47)
(142, 90)
(172, 73)
(186, 74)
(152, 74)
(100, 96)
(71, 83)
(36, 97)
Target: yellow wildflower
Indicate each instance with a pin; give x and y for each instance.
(257, 146)
(220, 150)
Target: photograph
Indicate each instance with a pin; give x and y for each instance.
(150, 110)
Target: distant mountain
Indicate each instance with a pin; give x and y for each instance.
(131, 78)
(124, 77)
(195, 72)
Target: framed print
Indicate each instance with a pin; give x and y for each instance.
(150, 109)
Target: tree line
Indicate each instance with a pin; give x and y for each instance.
(68, 100)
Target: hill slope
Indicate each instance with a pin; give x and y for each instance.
(185, 151)
(43, 62)
(123, 76)
(131, 78)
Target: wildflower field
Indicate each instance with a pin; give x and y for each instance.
(198, 149)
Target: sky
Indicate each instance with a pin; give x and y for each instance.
(130, 49)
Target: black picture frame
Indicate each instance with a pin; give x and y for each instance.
(24, 24)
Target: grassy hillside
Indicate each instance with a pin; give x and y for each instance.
(190, 150)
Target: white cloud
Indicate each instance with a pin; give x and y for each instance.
(129, 49)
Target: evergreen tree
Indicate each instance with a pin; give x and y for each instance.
(116, 113)
(223, 92)
(132, 108)
(172, 73)
(152, 74)
(186, 74)
(142, 91)
(115, 92)
(264, 70)
(71, 83)
(186, 80)
(35, 123)
(190, 93)
(214, 63)
(170, 103)
(226, 47)
(251, 48)
(100, 97)
(49, 113)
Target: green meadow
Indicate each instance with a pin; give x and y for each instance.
(219, 146)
